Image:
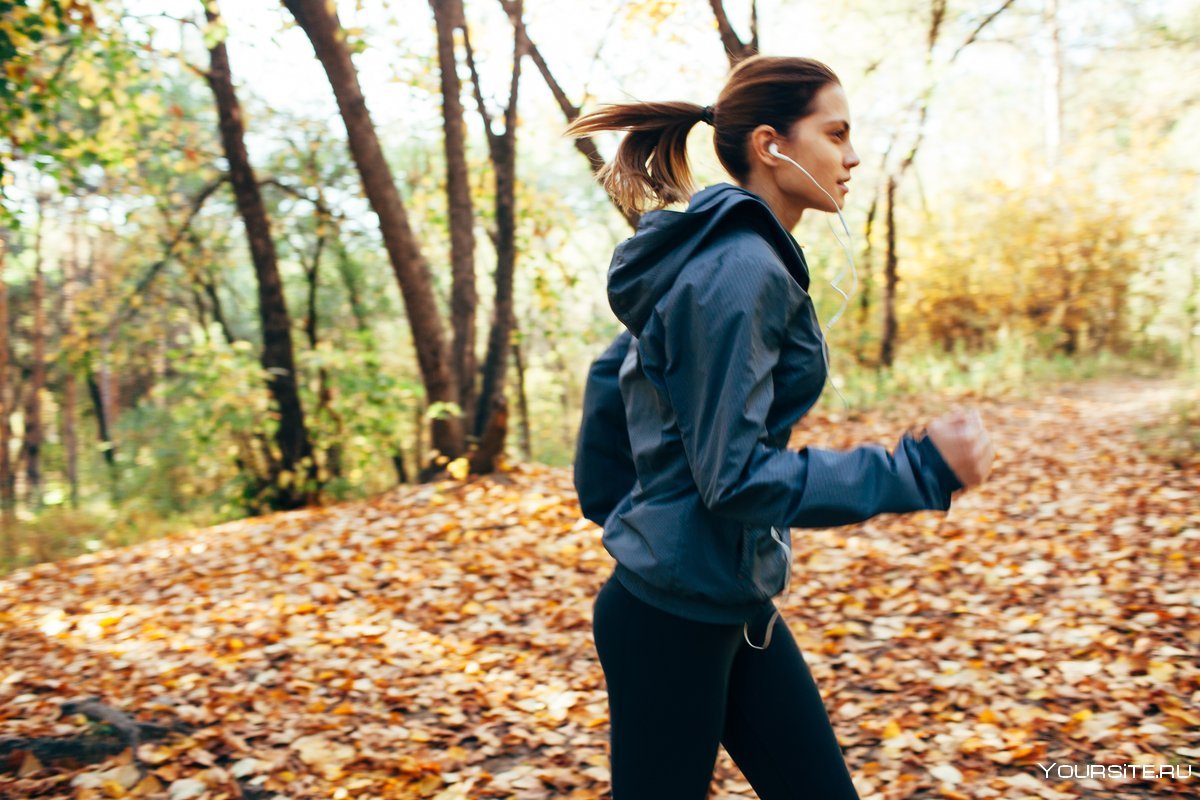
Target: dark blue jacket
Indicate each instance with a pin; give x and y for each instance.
(682, 452)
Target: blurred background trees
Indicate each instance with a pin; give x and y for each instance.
(400, 269)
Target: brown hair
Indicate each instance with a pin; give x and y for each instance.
(650, 169)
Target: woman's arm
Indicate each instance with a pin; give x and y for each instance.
(604, 469)
(721, 341)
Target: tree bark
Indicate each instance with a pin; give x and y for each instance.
(353, 292)
(218, 312)
(320, 23)
(70, 385)
(522, 399)
(448, 15)
(867, 273)
(735, 49)
(503, 151)
(887, 350)
(32, 441)
(8, 505)
(332, 463)
(585, 144)
(277, 354)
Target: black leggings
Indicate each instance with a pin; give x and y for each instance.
(677, 688)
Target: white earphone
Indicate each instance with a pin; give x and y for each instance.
(773, 149)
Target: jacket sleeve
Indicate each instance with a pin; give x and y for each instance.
(604, 470)
(721, 341)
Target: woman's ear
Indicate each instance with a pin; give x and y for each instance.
(761, 139)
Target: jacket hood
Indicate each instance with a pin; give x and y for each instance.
(645, 266)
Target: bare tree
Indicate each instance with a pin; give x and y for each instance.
(295, 451)
(735, 49)
(31, 442)
(502, 147)
(585, 145)
(319, 21)
(448, 16)
(892, 179)
(8, 505)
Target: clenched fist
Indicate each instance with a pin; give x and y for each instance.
(964, 444)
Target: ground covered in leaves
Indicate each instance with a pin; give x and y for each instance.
(436, 642)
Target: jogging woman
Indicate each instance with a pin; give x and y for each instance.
(682, 453)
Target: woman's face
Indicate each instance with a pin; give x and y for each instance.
(820, 143)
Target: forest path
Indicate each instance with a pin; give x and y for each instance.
(436, 641)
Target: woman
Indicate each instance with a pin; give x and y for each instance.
(682, 454)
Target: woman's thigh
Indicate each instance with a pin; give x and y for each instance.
(776, 727)
(667, 683)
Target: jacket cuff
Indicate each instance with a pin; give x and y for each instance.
(932, 456)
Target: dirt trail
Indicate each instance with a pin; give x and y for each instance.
(436, 642)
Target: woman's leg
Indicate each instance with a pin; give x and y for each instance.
(776, 727)
(667, 679)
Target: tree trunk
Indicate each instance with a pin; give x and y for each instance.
(277, 354)
(887, 352)
(8, 505)
(585, 145)
(333, 456)
(32, 441)
(312, 274)
(448, 15)
(218, 313)
(867, 273)
(70, 385)
(320, 23)
(522, 400)
(353, 292)
(503, 152)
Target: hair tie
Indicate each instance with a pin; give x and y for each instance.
(706, 115)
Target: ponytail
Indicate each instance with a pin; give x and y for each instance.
(650, 169)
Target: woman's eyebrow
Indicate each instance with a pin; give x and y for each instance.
(840, 123)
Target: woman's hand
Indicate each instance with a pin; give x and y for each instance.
(964, 444)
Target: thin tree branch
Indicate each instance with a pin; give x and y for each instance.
(979, 28)
(478, 93)
(127, 309)
(584, 144)
(735, 49)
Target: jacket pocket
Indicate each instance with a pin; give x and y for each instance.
(765, 563)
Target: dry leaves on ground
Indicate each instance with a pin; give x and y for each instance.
(436, 642)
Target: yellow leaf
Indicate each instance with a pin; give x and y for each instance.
(1183, 714)
(150, 785)
(988, 717)
(891, 730)
(459, 468)
(29, 765)
(1161, 671)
